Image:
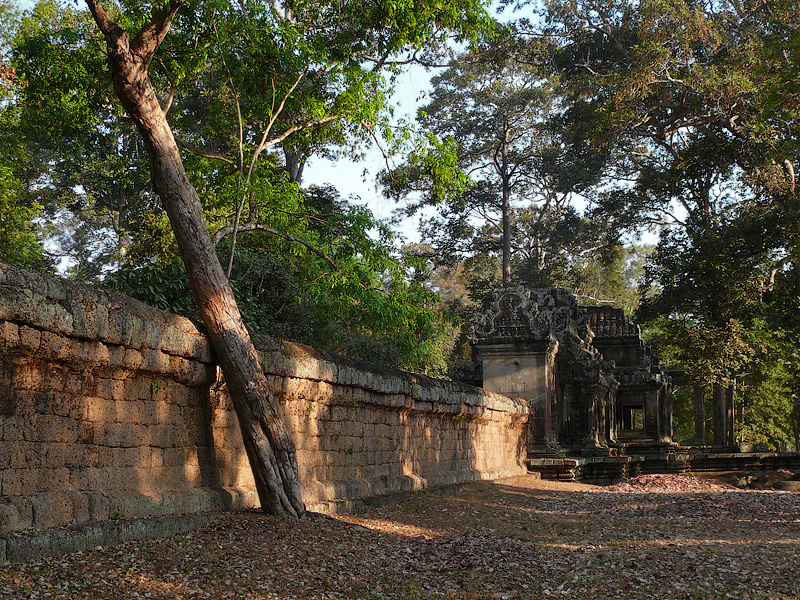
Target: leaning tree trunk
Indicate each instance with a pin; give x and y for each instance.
(269, 447)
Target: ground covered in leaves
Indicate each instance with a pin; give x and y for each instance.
(654, 537)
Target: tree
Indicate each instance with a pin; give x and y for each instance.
(83, 162)
(19, 243)
(489, 106)
(672, 96)
(269, 447)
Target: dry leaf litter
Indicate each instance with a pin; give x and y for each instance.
(657, 536)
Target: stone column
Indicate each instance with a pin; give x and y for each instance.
(651, 416)
(665, 405)
(720, 416)
(730, 417)
(612, 417)
(552, 422)
(699, 415)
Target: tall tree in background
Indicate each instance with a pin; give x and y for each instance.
(489, 108)
(671, 96)
(86, 165)
(19, 232)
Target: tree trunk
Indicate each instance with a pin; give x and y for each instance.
(506, 210)
(796, 424)
(796, 269)
(295, 164)
(269, 447)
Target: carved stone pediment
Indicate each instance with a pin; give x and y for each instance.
(517, 315)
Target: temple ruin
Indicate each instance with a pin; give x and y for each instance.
(592, 385)
(600, 402)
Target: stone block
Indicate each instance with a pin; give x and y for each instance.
(66, 404)
(51, 510)
(52, 480)
(200, 374)
(57, 429)
(98, 506)
(56, 455)
(126, 458)
(30, 339)
(127, 435)
(94, 433)
(12, 428)
(175, 457)
(9, 517)
(155, 361)
(24, 512)
(26, 455)
(93, 353)
(9, 335)
(18, 482)
(25, 376)
(98, 409)
(133, 359)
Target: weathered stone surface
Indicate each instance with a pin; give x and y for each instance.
(41, 544)
(592, 384)
(111, 409)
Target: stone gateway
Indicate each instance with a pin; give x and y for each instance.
(593, 386)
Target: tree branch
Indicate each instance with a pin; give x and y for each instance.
(153, 33)
(770, 286)
(299, 215)
(211, 155)
(301, 127)
(223, 232)
(106, 25)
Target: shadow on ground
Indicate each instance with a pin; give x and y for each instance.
(511, 539)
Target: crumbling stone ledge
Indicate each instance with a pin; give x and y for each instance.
(38, 544)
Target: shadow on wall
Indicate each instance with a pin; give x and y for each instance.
(112, 409)
(363, 430)
(103, 407)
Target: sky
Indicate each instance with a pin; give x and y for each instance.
(358, 179)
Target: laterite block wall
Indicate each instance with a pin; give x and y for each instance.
(112, 409)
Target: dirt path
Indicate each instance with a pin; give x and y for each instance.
(520, 538)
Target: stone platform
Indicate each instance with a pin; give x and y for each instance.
(600, 470)
(608, 470)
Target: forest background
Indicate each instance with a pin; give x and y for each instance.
(554, 135)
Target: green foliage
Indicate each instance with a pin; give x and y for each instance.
(81, 161)
(163, 285)
(252, 91)
(499, 159)
(682, 116)
(19, 244)
(369, 307)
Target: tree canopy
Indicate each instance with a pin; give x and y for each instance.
(671, 107)
(251, 91)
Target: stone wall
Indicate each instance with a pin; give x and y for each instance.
(112, 409)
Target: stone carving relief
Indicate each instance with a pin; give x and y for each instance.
(610, 321)
(517, 314)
